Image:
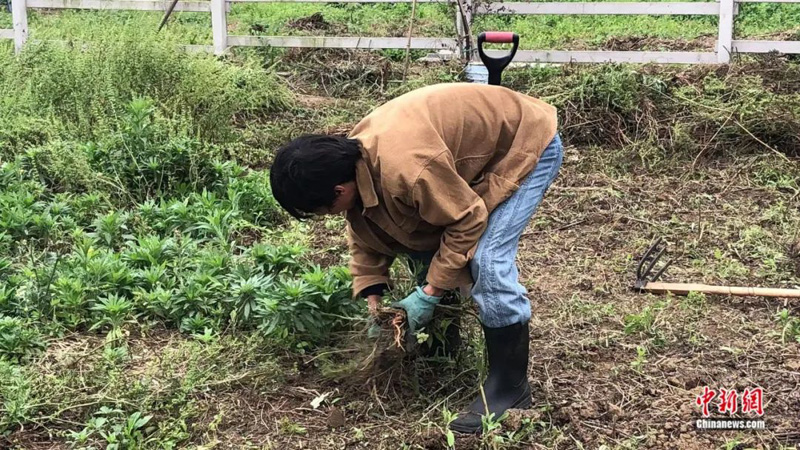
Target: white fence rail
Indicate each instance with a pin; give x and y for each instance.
(133, 5)
(611, 8)
(725, 10)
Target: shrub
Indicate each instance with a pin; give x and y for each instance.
(740, 107)
(18, 340)
(70, 92)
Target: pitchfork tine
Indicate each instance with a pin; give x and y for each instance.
(649, 261)
(654, 261)
(661, 272)
(646, 255)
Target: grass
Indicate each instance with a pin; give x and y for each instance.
(152, 295)
(536, 32)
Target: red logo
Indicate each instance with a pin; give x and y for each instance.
(705, 398)
(727, 401)
(752, 401)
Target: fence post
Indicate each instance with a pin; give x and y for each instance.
(219, 26)
(725, 39)
(464, 26)
(19, 16)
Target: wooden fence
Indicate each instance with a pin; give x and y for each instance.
(458, 44)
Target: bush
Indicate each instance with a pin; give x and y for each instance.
(741, 107)
(190, 261)
(74, 93)
(18, 340)
(61, 166)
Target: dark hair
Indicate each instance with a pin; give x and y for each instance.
(307, 169)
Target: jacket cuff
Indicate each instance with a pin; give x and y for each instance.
(364, 281)
(375, 289)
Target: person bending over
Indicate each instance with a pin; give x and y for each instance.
(450, 175)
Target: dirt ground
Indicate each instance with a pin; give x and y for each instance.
(610, 367)
(590, 388)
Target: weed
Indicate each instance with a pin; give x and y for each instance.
(645, 321)
(694, 301)
(117, 431)
(640, 360)
(18, 397)
(287, 426)
(448, 417)
(79, 93)
(790, 326)
(18, 340)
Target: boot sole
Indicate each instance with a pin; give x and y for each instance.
(523, 403)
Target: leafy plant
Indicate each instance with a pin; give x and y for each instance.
(119, 432)
(110, 229)
(18, 340)
(640, 360)
(276, 259)
(790, 325)
(448, 417)
(245, 294)
(112, 311)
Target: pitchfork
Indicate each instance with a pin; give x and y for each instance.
(646, 279)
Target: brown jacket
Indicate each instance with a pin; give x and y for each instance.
(436, 162)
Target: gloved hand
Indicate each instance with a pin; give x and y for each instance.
(374, 330)
(373, 303)
(419, 308)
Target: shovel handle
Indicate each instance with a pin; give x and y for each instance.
(495, 66)
(685, 288)
(499, 37)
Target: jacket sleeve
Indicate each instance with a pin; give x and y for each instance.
(445, 199)
(367, 267)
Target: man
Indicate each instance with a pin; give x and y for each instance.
(452, 170)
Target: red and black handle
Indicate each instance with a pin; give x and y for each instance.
(495, 66)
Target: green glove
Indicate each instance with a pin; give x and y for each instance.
(419, 308)
(374, 330)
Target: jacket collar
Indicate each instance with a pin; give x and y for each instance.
(364, 184)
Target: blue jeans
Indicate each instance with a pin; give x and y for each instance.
(501, 299)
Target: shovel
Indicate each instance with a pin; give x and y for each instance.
(495, 66)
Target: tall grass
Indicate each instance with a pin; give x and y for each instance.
(537, 32)
(673, 112)
(62, 92)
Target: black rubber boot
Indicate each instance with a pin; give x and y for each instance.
(507, 385)
(446, 342)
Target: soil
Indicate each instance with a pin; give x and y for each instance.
(590, 389)
(578, 259)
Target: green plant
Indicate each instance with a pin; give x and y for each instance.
(197, 324)
(490, 430)
(69, 301)
(311, 308)
(448, 417)
(245, 294)
(276, 259)
(287, 426)
(642, 322)
(17, 397)
(18, 340)
(640, 360)
(110, 229)
(790, 325)
(695, 301)
(119, 432)
(113, 311)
